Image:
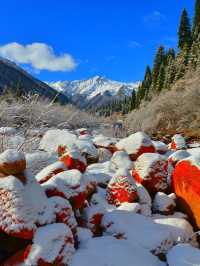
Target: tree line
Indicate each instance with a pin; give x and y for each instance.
(168, 66)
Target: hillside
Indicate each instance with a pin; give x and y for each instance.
(175, 110)
(15, 78)
(96, 91)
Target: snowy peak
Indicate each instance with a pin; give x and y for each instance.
(96, 87)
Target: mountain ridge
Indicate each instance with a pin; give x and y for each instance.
(97, 90)
(13, 78)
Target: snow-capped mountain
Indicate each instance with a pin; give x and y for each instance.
(94, 91)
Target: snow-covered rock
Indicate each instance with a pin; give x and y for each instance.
(139, 230)
(101, 172)
(163, 203)
(50, 171)
(120, 159)
(136, 144)
(38, 160)
(54, 138)
(151, 171)
(73, 159)
(109, 251)
(69, 185)
(178, 142)
(51, 244)
(121, 188)
(160, 147)
(183, 255)
(12, 162)
(104, 155)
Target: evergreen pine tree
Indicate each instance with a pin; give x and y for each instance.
(170, 73)
(133, 101)
(182, 61)
(159, 59)
(184, 32)
(161, 78)
(196, 21)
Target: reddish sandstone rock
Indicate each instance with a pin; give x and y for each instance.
(121, 189)
(73, 160)
(105, 142)
(93, 216)
(52, 245)
(50, 171)
(69, 185)
(136, 144)
(178, 142)
(186, 185)
(12, 162)
(151, 171)
(83, 131)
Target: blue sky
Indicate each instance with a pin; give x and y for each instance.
(115, 38)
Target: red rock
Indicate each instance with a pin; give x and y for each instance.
(73, 160)
(178, 142)
(136, 144)
(151, 171)
(49, 171)
(69, 185)
(121, 189)
(12, 162)
(186, 185)
(16, 259)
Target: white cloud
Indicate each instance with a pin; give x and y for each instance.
(154, 17)
(39, 56)
(134, 44)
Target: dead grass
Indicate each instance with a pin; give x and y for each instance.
(177, 110)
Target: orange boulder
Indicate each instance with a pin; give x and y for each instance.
(186, 185)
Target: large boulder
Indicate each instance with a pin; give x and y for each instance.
(121, 188)
(73, 159)
(136, 144)
(186, 185)
(183, 255)
(178, 142)
(151, 171)
(107, 250)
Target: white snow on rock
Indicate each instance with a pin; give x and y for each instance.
(108, 251)
(138, 229)
(69, 183)
(50, 242)
(183, 255)
(120, 159)
(37, 161)
(146, 163)
(104, 155)
(180, 229)
(50, 171)
(160, 146)
(10, 156)
(130, 207)
(179, 141)
(163, 203)
(87, 147)
(178, 155)
(134, 142)
(103, 141)
(101, 172)
(194, 152)
(56, 137)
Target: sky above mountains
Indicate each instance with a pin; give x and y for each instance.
(77, 39)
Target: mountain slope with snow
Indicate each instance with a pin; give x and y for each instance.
(94, 91)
